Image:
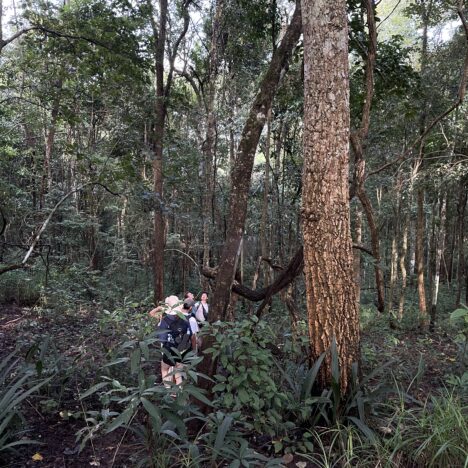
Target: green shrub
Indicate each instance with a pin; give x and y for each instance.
(131, 398)
(435, 434)
(245, 381)
(459, 319)
(21, 287)
(17, 383)
(224, 441)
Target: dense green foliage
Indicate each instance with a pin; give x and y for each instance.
(77, 112)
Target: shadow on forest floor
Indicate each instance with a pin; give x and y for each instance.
(81, 347)
(74, 340)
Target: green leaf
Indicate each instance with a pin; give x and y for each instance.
(243, 396)
(364, 428)
(172, 417)
(278, 446)
(194, 391)
(117, 361)
(310, 377)
(171, 434)
(222, 431)
(219, 387)
(308, 445)
(93, 389)
(228, 399)
(144, 349)
(152, 410)
(124, 418)
(459, 313)
(135, 361)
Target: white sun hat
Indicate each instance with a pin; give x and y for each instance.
(173, 305)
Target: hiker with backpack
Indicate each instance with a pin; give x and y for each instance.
(178, 335)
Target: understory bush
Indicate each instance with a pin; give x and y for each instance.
(17, 382)
(434, 434)
(266, 404)
(159, 419)
(21, 287)
(245, 378)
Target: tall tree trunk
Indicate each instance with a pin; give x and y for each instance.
(403, 253)
(432, 246)
(241, 175)
(162, 91)
(328, 257)
(49, 144)
(158, 135)
(240, 179)
(452, 229)
(375, 243)
(424, 317)
(439, 247)
(461, 206)
(418, 166)
(286, 296)
(264, 231)
(393, 268)
(207, 184)
(357, 254)
(29, 140)
(394, 256)
(359, 144)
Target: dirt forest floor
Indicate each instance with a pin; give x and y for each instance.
(79, 343)
(73, 339)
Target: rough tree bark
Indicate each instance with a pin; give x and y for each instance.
(328, 258)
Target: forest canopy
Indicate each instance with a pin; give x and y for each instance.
(303, 163)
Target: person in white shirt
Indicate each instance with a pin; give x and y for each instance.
(201, 308)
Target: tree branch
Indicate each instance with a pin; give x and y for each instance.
(52, 32)
(17, 266)
(173, 54)
(288, 274)
(192, 83)
(19, 33)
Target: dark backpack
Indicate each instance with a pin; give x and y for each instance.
(175, 333)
